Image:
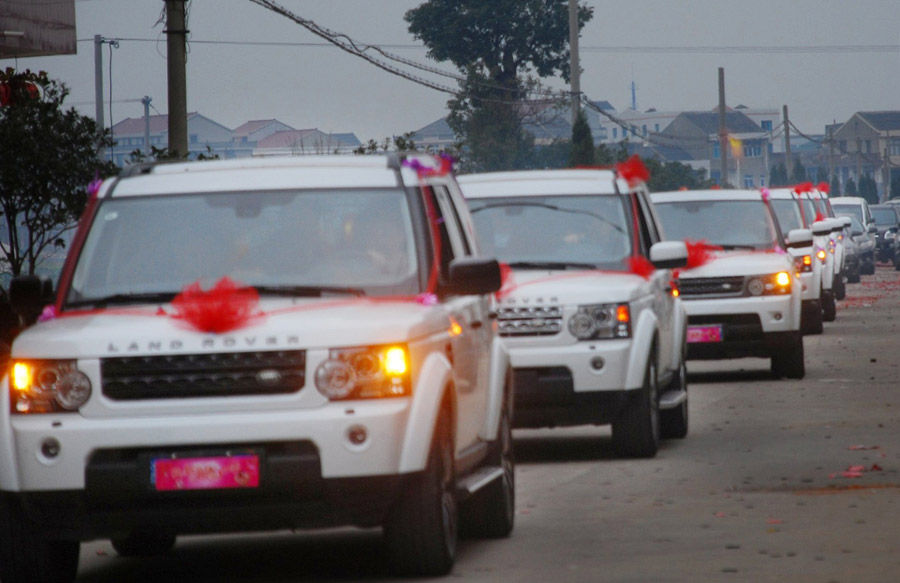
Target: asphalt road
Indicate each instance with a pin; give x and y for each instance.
(777, 480)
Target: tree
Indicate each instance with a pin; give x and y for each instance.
(835, 186)
(798, 172)
(778, 175)
(582, 151)
(673, 176)
(49, 157)
(497, 45)
(868, 189)
(850, 187)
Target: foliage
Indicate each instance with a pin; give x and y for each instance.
(50, 155)
(868, 189)
(666, 176)
(798, 172)
(834, 186)
(778, 175)
(850, 188)
(499, 45)
(582, 151)
(165, 155)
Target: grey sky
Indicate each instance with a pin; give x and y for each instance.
(309, 86)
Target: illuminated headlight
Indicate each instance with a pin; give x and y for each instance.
(47, 386)
(775, 284)
(804, 264)
(596, 321)
(370, 372)
(821, 255)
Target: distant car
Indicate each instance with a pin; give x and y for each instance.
(887, 221)
(864, 244)
(858, 207)
(742, 295)
(851, 251)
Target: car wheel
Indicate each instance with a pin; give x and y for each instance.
(788, 361)
(673, 423)
(829, 309)
(421, 530)
(853, 276)
(27, 555)
(811, 317)
(840, 290)
(490, 513)
(636, 432)
(144, 544)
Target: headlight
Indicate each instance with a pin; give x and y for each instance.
(804, 263)
(822, 255)
(47, 386)
(368, 372)
(775, 284)
(596, 321)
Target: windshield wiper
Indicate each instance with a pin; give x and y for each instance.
(738, 246)
(308, 291)
(551, 207)
(551, 265)
(122, 299)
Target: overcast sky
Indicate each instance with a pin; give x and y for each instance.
(233, 76)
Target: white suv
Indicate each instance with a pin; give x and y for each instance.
(744, 298)
(594, 332)
(261, 344)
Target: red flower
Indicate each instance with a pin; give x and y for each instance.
(640, 265)
(823, 187)
(223, 308)
(803, 187)
(633, 170)
(699, 252)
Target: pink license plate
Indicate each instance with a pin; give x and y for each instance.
(205, 473)
(704, 333)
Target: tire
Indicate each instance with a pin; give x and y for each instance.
(491, 512)
(839, 288)
(421, 530)
(853, 277)
(673, 423)
(636, 432)
(788, 361)
(811, 318)
(26, 555)
(144, 544)
(829, 309)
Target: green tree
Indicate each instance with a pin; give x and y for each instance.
(798, 172)
(582, 150)
(850, 187)
(835, 186)
(868, 189)
(673, 176)
(49, 157)
(778, 175)
(498, 45)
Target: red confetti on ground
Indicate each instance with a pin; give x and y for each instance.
(862, 447)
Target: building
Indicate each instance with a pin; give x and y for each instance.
(868, 144)
(205, 136)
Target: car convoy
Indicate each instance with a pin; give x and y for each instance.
(257, 344)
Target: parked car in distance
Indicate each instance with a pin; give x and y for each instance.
(864, 241)
(594, 332)
(261, 344)
(744, 300)
(887, 221)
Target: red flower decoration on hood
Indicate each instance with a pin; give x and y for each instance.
(633, 170)
(699, 253)
(223, 308)
(640, 265)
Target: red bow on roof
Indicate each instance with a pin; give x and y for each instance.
(803, 187)
(633, 170)
(824, 187)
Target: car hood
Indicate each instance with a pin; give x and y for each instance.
(277, 325)
(732, 263)
(571, 287)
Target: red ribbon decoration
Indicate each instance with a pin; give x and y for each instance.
(699, 252)
(640, 265)
(223, 308)
(803, 187)
(633, 170)
(823, 187)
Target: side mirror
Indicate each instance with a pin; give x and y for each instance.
(797, 238)
(845, 221)
(28, 294)
(821, 228)
(669, 254)
(473, 276)
(872, 229)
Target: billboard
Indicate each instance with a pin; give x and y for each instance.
(36, 29)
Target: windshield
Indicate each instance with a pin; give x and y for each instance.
(360, 241)
(787, 211)
(884, 217)
(732, 224)
(555, 231)
(849, 209)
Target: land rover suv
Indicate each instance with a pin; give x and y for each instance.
(260, 344)
(595, 333)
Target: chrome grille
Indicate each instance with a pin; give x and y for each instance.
(722, 287)
(530, 320)
(179, 376)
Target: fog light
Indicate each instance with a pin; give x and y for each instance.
(597, 363)
(50, 448)
(357, 435)
(777, 316)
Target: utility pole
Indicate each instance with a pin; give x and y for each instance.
(574, 66)
(146, 101)
(723, 130)
(830, 154)
(98, 80)
(788, 160)
(176, 55)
